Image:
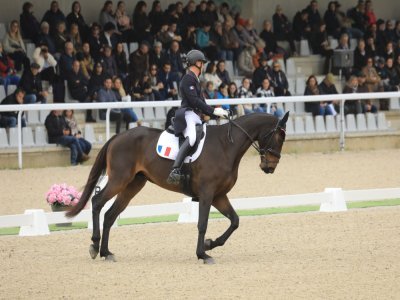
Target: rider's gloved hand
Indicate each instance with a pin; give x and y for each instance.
(220, 112)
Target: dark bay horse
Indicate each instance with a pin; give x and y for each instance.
(130, 160)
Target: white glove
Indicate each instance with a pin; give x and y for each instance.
(220, 112)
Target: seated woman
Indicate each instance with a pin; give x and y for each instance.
(265, 91)
(211, 74)
(128, 113)
(316, 108)
(14, 46)
(209, 91)
(121, 61)
(7, 71)
(76, 131)
(223, 94)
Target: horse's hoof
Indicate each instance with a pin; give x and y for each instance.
(207, 244)
(209, 261)
(93, 252)
(111, 258)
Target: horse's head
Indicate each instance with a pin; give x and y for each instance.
(271, 145)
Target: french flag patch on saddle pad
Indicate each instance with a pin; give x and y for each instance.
(168, 146)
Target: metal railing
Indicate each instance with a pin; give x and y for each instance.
(170, 103)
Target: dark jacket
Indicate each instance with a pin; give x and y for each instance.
(31, 84)
(30, 26)
(10, 100)
(109, 65)
(139, 64)
(77, 85)
(55, 126)
(192, 99)
(53, 18)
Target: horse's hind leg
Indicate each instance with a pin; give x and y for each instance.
(98, 201)
(119, 205)
(224, 206)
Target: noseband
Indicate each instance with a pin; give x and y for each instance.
(269, 144)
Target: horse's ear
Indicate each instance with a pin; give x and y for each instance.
(283, 121)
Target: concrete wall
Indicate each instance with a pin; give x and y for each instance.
(257, 9)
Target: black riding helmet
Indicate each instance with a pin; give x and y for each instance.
(193, 56)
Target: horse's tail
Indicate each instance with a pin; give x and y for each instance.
(98, 168)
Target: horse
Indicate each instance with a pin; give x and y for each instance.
(130, 160)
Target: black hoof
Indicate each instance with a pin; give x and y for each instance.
(93, 251)
(207, 244)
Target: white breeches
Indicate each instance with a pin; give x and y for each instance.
(191, 120)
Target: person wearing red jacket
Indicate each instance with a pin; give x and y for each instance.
(7, 72)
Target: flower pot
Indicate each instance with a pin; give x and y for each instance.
(57, 208)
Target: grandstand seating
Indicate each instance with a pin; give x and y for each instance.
(40, 136)
(2, 93)
(89, 133)
(320, 124)
(394, 103)
(27, 137)
(13, 136)
(309, 125)
(330, 124)
(68, 97)
(351, 123)
(3, 138)
(361, 122)
(32, 117)
(304, 48)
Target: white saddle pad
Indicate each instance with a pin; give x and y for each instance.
(168, 146)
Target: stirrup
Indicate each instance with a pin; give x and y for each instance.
(175, 177)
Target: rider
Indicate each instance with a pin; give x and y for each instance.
(192, 106)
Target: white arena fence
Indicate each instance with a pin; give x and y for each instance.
(35, 221)
(170, 103)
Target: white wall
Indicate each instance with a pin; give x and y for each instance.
(257, 9)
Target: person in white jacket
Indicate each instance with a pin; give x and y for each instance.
(47, 63)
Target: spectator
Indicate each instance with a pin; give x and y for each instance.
(141, 89)
(233, 91)
(370, 46)
(109, 36)
(14, 46)
(396, 33)
(128, 114)
(204, 43)
(109, 63)
(366, 105)
(166, 77)
(67, 59)
(261, 72)
(389, 51)
(45, 38)
(223, 94)
(106, 94)
(216, 38)
(156, 17)
(59, 132)
(59, 37)
(96, 81)
(369, 12)
(139, 61)
(86, 60)
(96, 47)
(373, 80)
(9, 119)
(241, 36)
(141, 22)
(245, 92)
(7, 72)
(251, 32)
(121, 61)
(75, 17)
(31, 83)
(320, 45)
(360, 55)
(316, 108)
(155, 83)
(173, 55)
(357, 15)
(46, 62)
(333, 26)
(230, 41)
(107, 15)
(279, 80)
(271, 44)
(222, 73)
(123, 21)
(209, 92)
(75, 37)
(30, 27)
(301, 26)
(245, 61)
(265, 91)
(53, 16)
(211, 74)
(86, 146)
(397, 65)
(381, 37)
(392, 80)
(283, 28)
(77, 83)
(352, 106)
(156, 55)
(189, 38)
(212, 14)
(313, 15)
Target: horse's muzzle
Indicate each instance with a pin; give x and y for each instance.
(266, 169)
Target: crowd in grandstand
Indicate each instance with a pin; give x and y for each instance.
(97, 66)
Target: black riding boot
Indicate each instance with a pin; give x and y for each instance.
(175, 176)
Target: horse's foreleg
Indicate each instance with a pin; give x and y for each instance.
(118, 206)
(204, 210)
(224, 207)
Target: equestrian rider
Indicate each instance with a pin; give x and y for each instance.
(192, 106)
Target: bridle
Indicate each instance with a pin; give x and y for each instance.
(268, 148)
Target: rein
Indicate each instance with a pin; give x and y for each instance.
(261, 151)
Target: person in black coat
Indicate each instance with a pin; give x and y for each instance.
(279, 80)
(75, 17)
(53, 16)
(96, 47)
(77, 83)
(31, 83)
(8, 119)
(261, 72)
(30, 26)
(320, 45)
(332, 21)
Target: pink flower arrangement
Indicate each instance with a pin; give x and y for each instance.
(62, 195)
